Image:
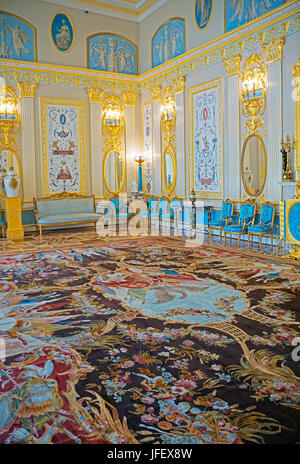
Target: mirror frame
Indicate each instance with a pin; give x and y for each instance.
(123, 173)
(170, 151)
(265, 165)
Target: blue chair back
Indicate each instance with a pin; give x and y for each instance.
(247, 211)
(227, 209)
(162, 205)
(117, 203)
(267, 214)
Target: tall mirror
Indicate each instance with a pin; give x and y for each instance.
(114, 171)
(254, 165)
(169, 169)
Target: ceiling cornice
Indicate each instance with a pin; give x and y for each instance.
(132, 10)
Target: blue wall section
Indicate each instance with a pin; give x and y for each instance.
(240, 12)
(17, 39)
(112, 53)
(168, 42)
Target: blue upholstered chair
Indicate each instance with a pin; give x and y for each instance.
(226, 214)
(246, 218)
(120, 214)
(167, 212)
(158, 211)
(266, 225)
(2, 227)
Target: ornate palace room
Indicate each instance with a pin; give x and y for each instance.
(150, 223)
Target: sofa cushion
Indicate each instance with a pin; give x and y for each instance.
(68, 218)
(64, 206)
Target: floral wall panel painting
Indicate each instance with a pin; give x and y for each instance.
(17, 38)
(148, 148)
(112, 53)
(203, 11)
(62, 32)
(168, 42)
(206, 139)
(240, 12)
(63, 146)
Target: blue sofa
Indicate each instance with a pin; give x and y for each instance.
(64, 209)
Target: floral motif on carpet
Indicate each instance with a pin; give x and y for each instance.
(143, 342)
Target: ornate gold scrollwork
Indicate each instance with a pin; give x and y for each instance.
(253, 93)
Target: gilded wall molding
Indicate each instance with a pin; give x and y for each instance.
(27, 89)
(95, 95)
(296, 75)
(233, 64)
(273, 49)
(130, 98)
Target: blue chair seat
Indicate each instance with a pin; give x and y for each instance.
(261, 229)
(2, 223)
(123, 215)
(234, 228)
(217, 223)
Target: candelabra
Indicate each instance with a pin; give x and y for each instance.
(286, 147)
(140, 161)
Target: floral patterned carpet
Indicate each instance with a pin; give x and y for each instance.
(144, 341)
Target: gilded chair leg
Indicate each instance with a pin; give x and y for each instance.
(239, 240)
(209, 234)
(260, 242)
(220, 236)
(224, 238)
(40, 232)
(248, 240)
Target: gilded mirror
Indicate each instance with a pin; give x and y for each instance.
(169, 169)
(254, 165)
(114, 171)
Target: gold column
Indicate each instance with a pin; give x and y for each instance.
(296, 74)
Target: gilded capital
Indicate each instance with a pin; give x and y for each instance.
(130, 98)
(156, 92)
(233, 64)
(296, 71)
(274, 49)
(95, 94)
(179, 84)
(27, 89)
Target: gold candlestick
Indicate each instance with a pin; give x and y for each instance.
(286, 147)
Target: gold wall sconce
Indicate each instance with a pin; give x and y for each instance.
(114, 167)
(168, 112)
(253, 92)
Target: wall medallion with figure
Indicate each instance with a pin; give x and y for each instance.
(203, 12)
(112, 53)
(62, 32)
(168, 42)
(17, 38)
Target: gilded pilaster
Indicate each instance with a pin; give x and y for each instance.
(273, 49)
(233, 64)
(296, 74)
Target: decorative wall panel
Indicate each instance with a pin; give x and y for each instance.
(17, 38)
(203, 12)
(112, 53)
(205, 110)
(240, 12)
(168, 42)
(148, 148)
(63, 146)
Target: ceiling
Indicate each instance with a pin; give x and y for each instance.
(134, 10)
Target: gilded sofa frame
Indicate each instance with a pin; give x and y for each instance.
(59, 196)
